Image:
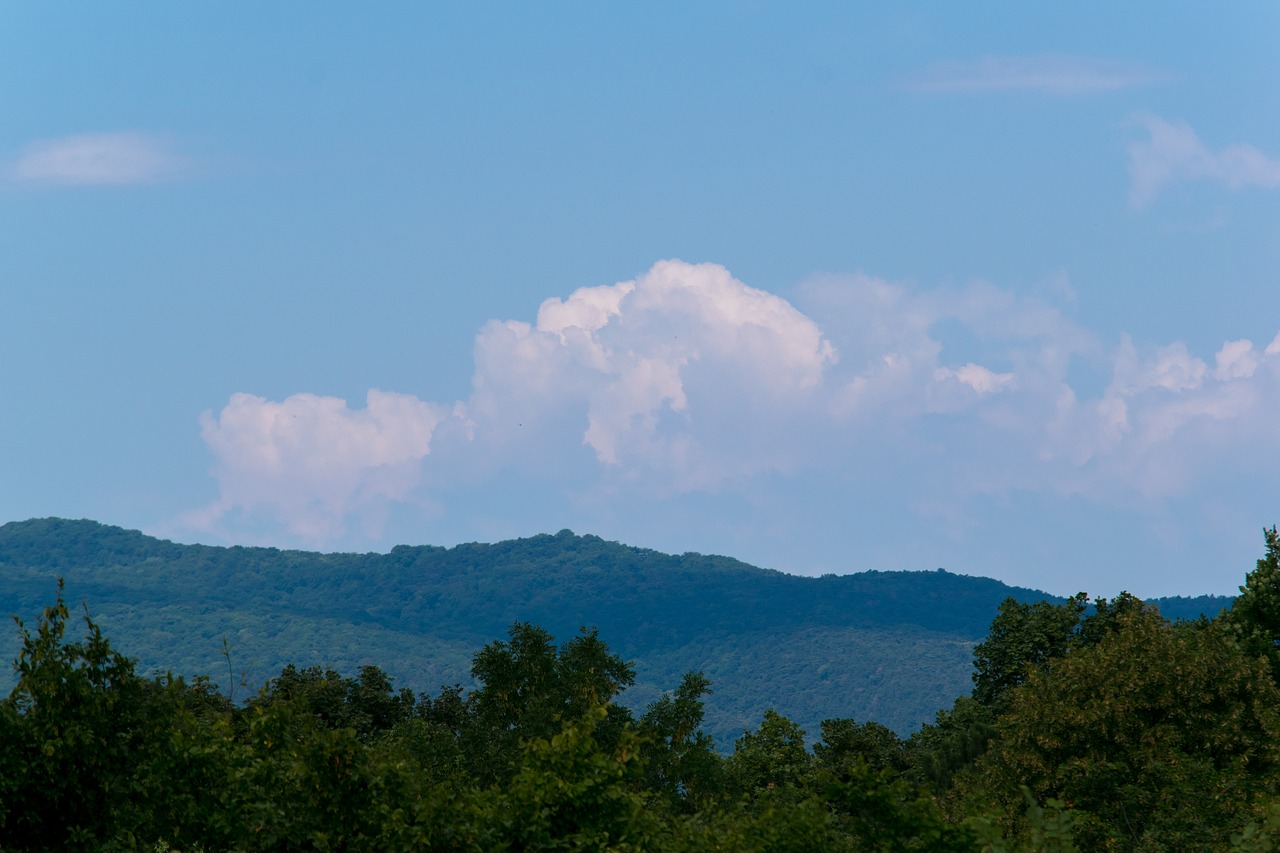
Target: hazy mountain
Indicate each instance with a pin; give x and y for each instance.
(887, 646)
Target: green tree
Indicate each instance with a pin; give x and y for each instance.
(771, 758)
(846, 743)
(1255, 615)
(93, 755)
(882, 812)
(375, 704)
(432, 738)
(1158, 737)
(770, 822)
(1106, 617)
(571, 793)
(1023, 638)
(529, 688)
(957, 738)
(367, 704)
(291, 783)
(680, 760)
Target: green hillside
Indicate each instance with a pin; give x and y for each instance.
(893, 647)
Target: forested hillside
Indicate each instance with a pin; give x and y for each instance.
(893, 647)
(1090, 725)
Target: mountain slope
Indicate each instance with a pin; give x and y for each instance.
(887, 646)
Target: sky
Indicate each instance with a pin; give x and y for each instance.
(823, 287)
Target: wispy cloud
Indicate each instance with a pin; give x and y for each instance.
(1052, 74)
(1173, 153)
(98, 159)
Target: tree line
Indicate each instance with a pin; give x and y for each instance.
(1091, 725)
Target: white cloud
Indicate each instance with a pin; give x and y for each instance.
(683, 379)
(976, 377)
(688, 381)
(1166, 422)
(1172, 368)
(1236, 360)
(669, 371)
(899, 362)
(98, 159)
(1054, 74)
(311, 463)
(1173, 153)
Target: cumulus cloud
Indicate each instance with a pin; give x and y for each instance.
(1053, 74)
(98, 159)
(1236, 360)
(1172, 368)
(311, 463)
(900, 358)
(670, 371)
(1166, 421)
(1173, 153)
(685, 380)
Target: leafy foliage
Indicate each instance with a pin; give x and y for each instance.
(100, 758)
(682, 766)
(889, 646)
(1090, 727)
(1255, 616)
(77, 748)
(1161, 734)
(1022, 638)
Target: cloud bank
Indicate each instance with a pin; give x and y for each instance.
(1051, 74)
(687, 381)
(98, 159)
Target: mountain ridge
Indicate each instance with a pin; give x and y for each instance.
(890, 646)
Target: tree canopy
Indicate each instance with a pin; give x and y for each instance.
(1090, 726)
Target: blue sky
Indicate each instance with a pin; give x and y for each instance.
(826, 289)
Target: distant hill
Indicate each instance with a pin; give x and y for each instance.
(887, 646)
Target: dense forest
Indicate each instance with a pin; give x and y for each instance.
(1089, 726)
(894, 647)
